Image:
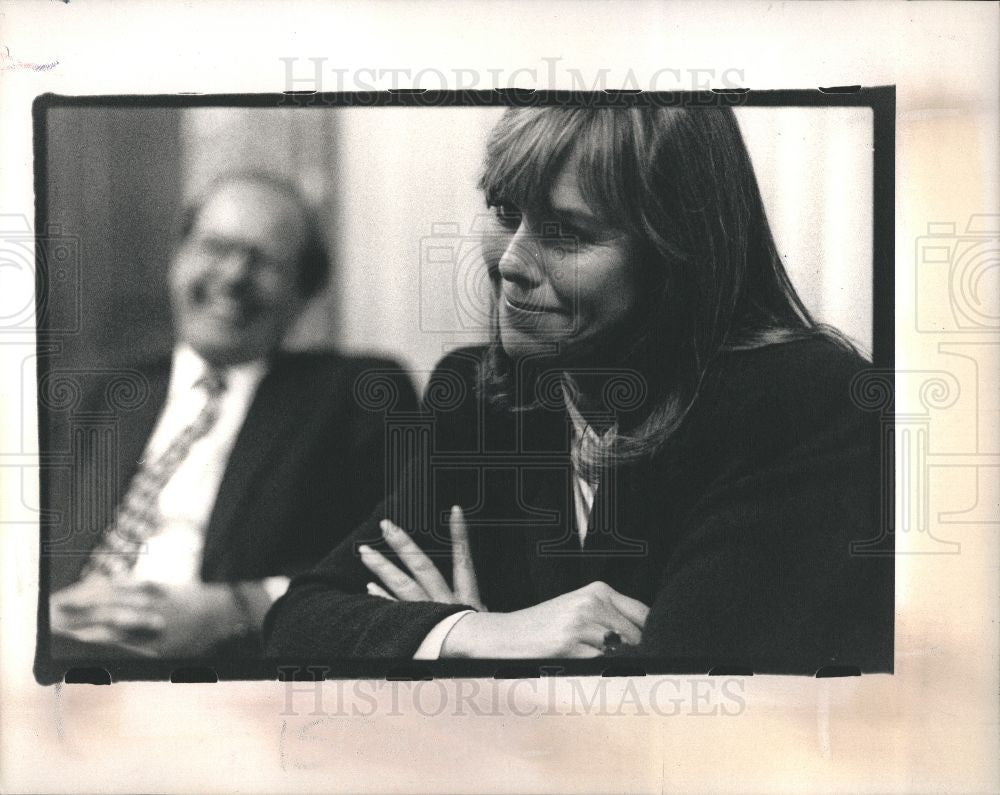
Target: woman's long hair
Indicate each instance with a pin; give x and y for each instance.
(680, 184)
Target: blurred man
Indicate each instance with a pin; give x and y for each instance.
(245, 465)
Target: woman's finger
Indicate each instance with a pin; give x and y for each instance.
(416, 560)
(590, 638)
(586, 650)
(463, 571)
(609, 618)
(632, 609)
(377, 590)
(400, 583)
(628, 631)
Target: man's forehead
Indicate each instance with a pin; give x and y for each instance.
(244, 203)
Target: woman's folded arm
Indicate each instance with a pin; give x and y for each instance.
(315, 620)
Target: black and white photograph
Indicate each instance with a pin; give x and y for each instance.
(582, 378)
(409, 396)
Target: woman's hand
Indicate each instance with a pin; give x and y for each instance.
(424, 582)
(572, 625)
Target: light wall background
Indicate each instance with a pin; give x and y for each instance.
(386, 179)
(396, 182)
(397, 192)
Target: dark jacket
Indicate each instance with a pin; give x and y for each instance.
(307, 466)
(737, 533)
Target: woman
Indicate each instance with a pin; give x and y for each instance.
(656, 454)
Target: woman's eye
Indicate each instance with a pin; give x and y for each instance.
(575, 235)
(508, 215)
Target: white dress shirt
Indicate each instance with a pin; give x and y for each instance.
(583, 489)
(583, 503)
(173, 554)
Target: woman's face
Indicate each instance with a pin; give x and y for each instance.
(565, 280)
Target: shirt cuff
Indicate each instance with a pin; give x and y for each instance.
(430, 649)
(255, 597)
(276, 587)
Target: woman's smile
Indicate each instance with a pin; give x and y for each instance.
(573, 289)
(530, 307)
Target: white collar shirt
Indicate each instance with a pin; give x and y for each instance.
(583, 489)
(173, 553)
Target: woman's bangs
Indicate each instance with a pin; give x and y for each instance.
(529, 147)
(524, 155)
(604, 162)
(603, 159)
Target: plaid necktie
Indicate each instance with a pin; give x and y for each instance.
(137, 517)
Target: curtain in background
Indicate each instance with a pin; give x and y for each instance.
(113, 193)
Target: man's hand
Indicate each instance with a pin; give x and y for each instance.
(571, 625)
(424, 582)
(147, 618)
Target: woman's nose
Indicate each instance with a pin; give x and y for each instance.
(522, 260)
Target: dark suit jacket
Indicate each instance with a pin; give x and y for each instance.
(737, 533)
(307, 465)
